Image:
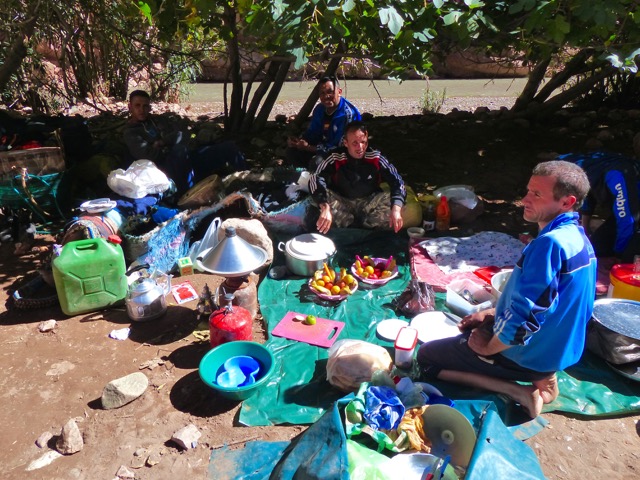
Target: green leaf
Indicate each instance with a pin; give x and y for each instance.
(474, 3)
(301, 58)
(145, 9)
(389, 17)
(451, 17)
(438, 3)
(348, 6)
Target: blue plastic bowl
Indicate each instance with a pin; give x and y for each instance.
(213, 364)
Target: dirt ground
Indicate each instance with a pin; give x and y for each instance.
(49, 378)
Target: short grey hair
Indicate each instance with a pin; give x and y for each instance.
(570, 179)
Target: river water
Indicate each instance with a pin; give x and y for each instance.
(366, 89)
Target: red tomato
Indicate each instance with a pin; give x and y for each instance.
(328, 285)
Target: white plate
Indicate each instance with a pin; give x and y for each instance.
(99, 205)
(434, 326)
(388, 329)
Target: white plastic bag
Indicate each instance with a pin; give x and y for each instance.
(142, 178)
(352, 362)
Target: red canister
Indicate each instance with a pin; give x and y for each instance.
(230, 323)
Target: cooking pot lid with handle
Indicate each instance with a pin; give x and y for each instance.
(311, 245)
(618, 315)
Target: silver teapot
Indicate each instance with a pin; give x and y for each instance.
(145, 298)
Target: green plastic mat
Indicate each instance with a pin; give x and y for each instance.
(298, 392)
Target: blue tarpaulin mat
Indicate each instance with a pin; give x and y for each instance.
(323, 452)
(298, 392)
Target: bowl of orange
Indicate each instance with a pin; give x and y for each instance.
(333, 285)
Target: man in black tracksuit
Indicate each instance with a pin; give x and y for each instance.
(614, 180)
(346, 186)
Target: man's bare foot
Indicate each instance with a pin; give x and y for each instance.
(548, 387)
(529, 398)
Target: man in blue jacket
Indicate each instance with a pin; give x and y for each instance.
(539, 324)
(327, 127)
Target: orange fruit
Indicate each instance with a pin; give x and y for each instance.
(335, 290)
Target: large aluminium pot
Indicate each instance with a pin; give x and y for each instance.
(614, 331)
(306, 253)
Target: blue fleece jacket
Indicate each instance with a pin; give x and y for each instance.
(545, 306)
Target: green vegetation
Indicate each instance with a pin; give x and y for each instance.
(432, 101)
(102, 48)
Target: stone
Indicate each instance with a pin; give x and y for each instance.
(47, 326)
(593, 144)
(605, 135)
(259, 142)
(124, 390)
(187, 437)
(153, 459)
(579, 123)
(43, 440)
(636, 144)
(522, 123)
(70, 440)
(124, 473)
(250, 230)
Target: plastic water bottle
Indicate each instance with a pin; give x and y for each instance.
(443, 215)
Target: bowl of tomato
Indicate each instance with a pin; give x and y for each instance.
(374, 270)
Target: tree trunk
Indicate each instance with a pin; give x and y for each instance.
(571, 68)
(556, 103)
(267, 106)
(260, 92)
(536, 77)
(234, 119)
(18, 50)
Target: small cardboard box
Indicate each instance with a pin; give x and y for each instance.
(185, 266)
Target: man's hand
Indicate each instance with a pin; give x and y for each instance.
(395, 219)
(324, 221)
(477, 319)
(483, 342)
(300, 144)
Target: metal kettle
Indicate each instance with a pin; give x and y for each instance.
(145, 298)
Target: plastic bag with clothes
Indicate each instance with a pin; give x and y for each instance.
(142, 178)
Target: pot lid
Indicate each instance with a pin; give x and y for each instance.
(311, 245)
(618, 315)
(232, 257)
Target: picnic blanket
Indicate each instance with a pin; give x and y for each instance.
(299, 393)
(439, 261)
(323, 451)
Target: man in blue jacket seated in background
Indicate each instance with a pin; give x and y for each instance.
(539, 324)
(614, 180)
(347, 186)
(328, 122)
